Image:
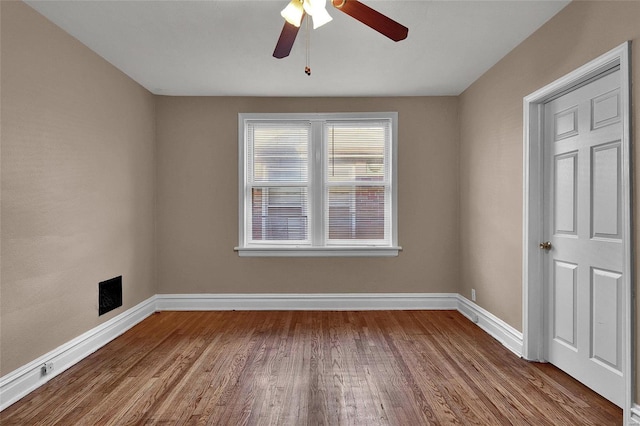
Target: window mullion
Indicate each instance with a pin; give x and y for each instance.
(316, 189)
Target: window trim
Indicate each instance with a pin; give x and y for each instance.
(279, 249)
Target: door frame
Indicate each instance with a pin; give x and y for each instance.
(533, 266)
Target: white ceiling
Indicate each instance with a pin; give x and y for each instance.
(225, 47)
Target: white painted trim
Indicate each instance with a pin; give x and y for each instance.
(494, 326)
(533, 343)
(22, 381)
(533, 298)
(298, 302)
(312, 251)
(629, 330)
(634, 417)
(27, 378)
(317, 245)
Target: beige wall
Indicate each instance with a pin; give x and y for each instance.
(77, 186)
(198, 202)
(491, 156)
(491, 194)
(82, 145)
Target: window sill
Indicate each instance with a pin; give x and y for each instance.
(272, 251)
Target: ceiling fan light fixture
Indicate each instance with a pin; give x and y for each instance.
(293, 12)
(320, 18)
(318, 12)
(317, 9)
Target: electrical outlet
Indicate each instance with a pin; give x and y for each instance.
(47, 368)
(473, 294)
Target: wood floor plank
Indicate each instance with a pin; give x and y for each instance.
(304, 367)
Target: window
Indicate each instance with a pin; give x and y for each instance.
(318, 184)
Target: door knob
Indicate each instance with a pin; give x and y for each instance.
(546, 245)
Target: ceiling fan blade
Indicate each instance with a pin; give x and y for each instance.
(372, 18)
(285, 42)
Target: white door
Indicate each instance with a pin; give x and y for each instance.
(583, 223)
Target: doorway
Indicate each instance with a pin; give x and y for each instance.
(577, 217)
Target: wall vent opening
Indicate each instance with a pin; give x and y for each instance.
(109, 295)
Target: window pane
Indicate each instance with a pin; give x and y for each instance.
(356, 151)
(279, 214)
(279, 152)
(356, 213)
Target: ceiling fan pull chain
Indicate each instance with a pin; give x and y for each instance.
(307, 68)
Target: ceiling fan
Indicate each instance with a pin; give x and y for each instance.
(296, 11)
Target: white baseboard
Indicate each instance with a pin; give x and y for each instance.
(510, 338)
(25, 379)
(289, 302)
(634, 416)
(20, 382)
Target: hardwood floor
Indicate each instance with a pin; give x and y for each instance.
(300, 367)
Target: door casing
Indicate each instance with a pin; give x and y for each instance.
(533, 276)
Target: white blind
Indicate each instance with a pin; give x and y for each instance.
(278, 180)
(357, 182)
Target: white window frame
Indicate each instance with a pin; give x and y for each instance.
(317, 160)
